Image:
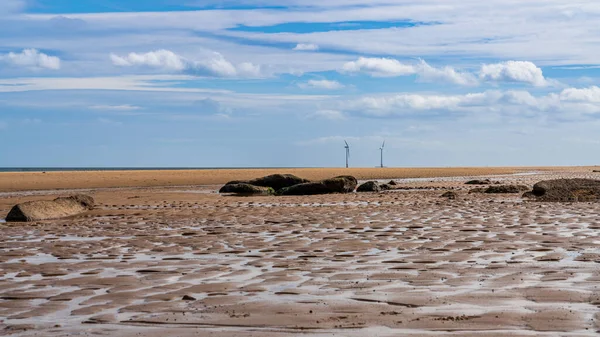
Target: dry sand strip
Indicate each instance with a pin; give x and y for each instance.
(188, 262)
(26, 181)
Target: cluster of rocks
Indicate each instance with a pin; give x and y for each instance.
(289, 184)
(50, 209)
(565, 190)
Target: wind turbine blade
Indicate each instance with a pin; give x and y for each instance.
(382, 146)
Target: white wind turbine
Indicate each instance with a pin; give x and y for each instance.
(381, 149)
(347, 147)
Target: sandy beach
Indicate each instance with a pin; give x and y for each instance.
(163, 254)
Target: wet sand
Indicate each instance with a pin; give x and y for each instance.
(185, 261)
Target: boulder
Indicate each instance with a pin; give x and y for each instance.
(342, 184)
(369, 186)
(479, 182)
(567, 190)
(478, 190)
(392, 183)
(50, 209)
(506, 189)
(450, 195)
(247, 189)
(275, 181)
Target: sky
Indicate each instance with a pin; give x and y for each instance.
(265, 83)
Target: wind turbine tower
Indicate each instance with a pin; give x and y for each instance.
(381, 149)
(347, 153)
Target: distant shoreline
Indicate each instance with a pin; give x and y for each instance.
(100, 169)
(37, 179)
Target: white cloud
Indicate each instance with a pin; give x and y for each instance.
(125, 107)
(586, 95)
(328, 114)
(31, 58)
(379, 67)
(427, 73)
(322, 84)
(164, 59)
(213, 65)
(514, 71)
(306, 47)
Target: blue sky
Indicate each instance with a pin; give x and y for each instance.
(219, 83)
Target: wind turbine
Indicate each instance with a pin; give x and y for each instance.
(347, 152)
(381, 149)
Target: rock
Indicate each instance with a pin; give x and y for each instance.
(50, 209)
(567, 190)
(386, 187)
(450, 195)
(478, 190)
(342, 184)
(369, 186)
(188, 298)
(479, 182)
(392, 183)
(506, 189)
(247, 189)
(275, 181)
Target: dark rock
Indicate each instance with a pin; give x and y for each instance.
(479, 182)
(50, 209)
(450, 195)
(369, 186)
(275, 181)
(392, 183)
(188, 298)
(247, 189)
(567, 190)
(478, 190)
(506, 189)
(342, 184)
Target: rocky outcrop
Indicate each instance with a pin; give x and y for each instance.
(506, 189)
(50, 209)
(342, 184)
(369, 186)
(247, 189)
(275, 181)
(479, 182)
(567, 190)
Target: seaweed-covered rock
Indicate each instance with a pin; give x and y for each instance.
(274, 181)
(342, 184)
(247, 189)
(479, 182)
(567, 190)
(369, 186)
(50, 209)
(506, 189)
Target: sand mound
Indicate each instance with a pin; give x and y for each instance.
(567, 190)
(342, 184)
(50, 209)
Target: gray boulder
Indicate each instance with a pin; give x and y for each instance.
(50, 209)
